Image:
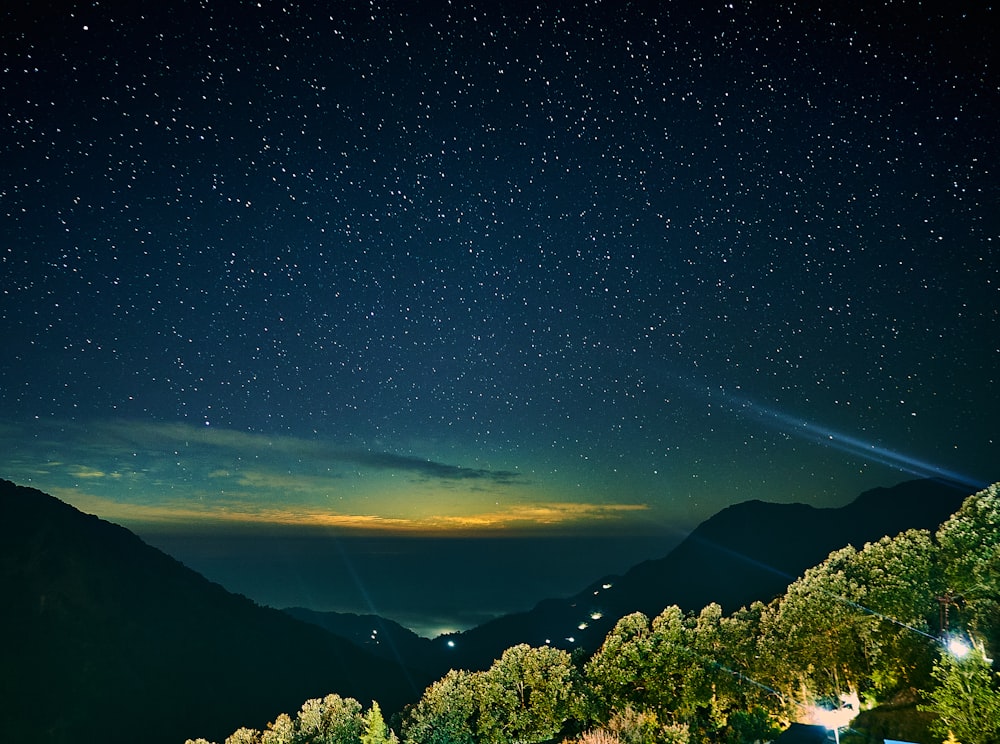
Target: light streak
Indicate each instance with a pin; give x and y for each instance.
(852, 445)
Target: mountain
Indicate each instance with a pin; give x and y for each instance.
(108, 639)
(746, 552)
(381, 637)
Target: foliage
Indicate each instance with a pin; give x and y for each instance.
(685, 675)
(617, 674)
(598, 736)
(741, 636)
(281, 731)
(746, 727)
(244, 736)
(856, 623)
(819, 630)
(446, 714)
(330, 720)
(374, 730)
(970, 555)
(966, 700)
(526, 696)
(631, 727)
(902, 580)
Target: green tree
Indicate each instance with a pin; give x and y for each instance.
(820, 628)
(330, 720)
(616, 673)
(706, 690)
(244, 735)
(749, 684)
(665, 667)
(526, 696)
(373, 728)
(446, 713)
(970, 555)
(966, 700)
(748, 727)
(281, 731)
(632, 727)
(900, 581)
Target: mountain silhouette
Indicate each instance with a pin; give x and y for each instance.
(108, 639)
(382, 637)
(746, 552)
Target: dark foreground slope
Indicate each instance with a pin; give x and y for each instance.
(749, 551)
(108, 639)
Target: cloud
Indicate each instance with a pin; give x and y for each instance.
(234, 513)
(429, 468)
(86, 472)
(170, 436)
(178, 476)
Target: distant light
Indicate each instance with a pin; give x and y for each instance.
(607, 586)
(582, 626)
(451, 644)
(596, 615)
(571, 639)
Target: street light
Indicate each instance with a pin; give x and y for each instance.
(835, 719)
(958, 647)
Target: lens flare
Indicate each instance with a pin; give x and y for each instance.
(852, 445)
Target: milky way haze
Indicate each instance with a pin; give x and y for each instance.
(484, 269)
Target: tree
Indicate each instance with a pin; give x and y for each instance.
(373, 728)
(526, 696)
(330, 720)
(244, 735)
(970, 554)
(747, 727)
(446, 713)
(668, 668)
(966, 700)
(617, 674)
(820, 628)
(901, 581)
(740, 636)
(281, 731)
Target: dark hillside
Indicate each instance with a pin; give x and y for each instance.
(107, 639)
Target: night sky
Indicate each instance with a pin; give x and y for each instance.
(321, 295)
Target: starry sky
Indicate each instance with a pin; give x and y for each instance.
(498, 285)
